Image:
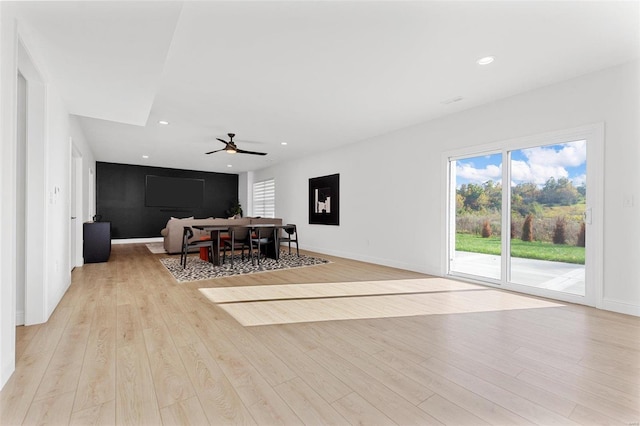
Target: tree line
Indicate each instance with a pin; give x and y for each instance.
(526, 198)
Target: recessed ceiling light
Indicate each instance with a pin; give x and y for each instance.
(145, 156)
(229, 165)
(486, 60)
(165, 122)
(283, 143)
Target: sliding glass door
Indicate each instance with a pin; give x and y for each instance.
(548, 207)
(519, 216)
(477, 216)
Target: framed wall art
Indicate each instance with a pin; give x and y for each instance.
(324, 200)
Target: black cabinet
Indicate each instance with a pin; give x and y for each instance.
(97, 241)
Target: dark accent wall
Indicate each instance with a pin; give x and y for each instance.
(120, 198)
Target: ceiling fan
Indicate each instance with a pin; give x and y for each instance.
(231, 148)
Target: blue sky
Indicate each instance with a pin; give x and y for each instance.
(528, 165)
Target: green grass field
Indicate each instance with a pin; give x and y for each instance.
(533, 250)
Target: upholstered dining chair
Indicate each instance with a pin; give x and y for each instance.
(290, 235)
(239, 237)
(187, 234)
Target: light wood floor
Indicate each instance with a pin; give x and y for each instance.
(129, 345)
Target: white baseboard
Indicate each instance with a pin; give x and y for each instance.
(620, 307)
(370, 259)
(8, 367)
(138, 240)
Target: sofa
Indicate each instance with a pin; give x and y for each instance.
(174, 229)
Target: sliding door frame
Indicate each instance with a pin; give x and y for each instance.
(594, 254)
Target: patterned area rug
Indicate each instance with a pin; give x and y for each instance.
(198, 269)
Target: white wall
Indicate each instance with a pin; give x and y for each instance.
(390, 198)
(88, 167)
(58, 129)
(58, 209)
(244, 188)
(8, 61)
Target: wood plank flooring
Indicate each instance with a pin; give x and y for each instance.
(341, 343)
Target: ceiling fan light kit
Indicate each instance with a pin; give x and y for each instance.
(231, 148)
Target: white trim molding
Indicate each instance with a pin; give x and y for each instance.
(594, 276)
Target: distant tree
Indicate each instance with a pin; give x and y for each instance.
(527, 228)
(479, 198)
(582, 189)
(459, 202)
(493, 191)
(559, 192)
(482, 202)
(471, 192)
(559, 231)
(566, 193)
(524, 198)
(486, 229)
(516, 202)
(528, 191)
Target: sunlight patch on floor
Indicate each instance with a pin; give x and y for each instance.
(295, 303)
(356, 288)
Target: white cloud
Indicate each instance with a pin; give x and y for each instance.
(541, 164)
(542, 172)
(546, 162)
(573, 154)
(467, 171)
(521, 171)
(579, 180)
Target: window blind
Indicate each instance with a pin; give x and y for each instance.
(264, 198)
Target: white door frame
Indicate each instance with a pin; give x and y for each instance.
(21, 195)
(35, 311)
(594, 273)
(76, 195)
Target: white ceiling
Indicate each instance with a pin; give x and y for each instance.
(315, 75)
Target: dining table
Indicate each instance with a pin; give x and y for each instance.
(271, 249)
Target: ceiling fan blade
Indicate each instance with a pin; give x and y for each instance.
(217, 150)
(242, 151)
(224, 142)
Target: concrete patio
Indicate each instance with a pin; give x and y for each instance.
(557, 276)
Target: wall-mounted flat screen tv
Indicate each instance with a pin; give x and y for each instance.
(163, 191)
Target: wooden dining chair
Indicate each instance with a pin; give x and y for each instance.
(290, 236)
(261, 237)
(187, 234)
(238, 238)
